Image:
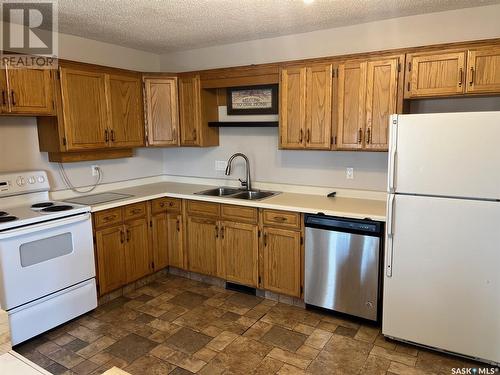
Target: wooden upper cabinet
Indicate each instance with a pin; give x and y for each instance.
(483, 70)
(4, 103)
(381, 101)
(292, 108)
(319, 90)
(125, 111)
(240, 253)
(197, 107)
(84, 108)
(435, 74)
(162, 113)
(351, 100)
(30, 91)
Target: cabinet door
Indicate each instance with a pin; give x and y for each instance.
(319, 107)
(202, 245)
(240, 252)
(162, 113)
(175, 246)
(4, 103)
(483, 71)
(84, 109)
(160, 240)
(381, 101)
(125, 111)
(441, 74)
(351, 105)
(292, 108)
(189, 110)
(31, 91)
(110, 258)
(137, 256)
(282, 265)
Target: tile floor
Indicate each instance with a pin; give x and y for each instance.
(180, 326)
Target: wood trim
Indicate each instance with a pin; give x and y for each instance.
(70, 157)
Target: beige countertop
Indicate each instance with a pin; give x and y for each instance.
(306, 203)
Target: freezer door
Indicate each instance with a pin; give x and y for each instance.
(446, 154)
(441, 277)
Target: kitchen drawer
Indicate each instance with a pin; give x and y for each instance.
(163, 204)
(135, 210)
(108, 217)
(281, 218)
(239, 213)
(203, 208)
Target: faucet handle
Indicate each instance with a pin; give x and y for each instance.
(243, 183)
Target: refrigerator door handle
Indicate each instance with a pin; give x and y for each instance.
(390, 235)
(393, 132)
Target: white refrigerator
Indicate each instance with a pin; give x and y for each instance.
(442, 260)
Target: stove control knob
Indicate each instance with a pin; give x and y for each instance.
(31, 180)
(41, 179)
(20, 181)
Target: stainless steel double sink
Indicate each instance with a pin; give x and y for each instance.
(230, 192)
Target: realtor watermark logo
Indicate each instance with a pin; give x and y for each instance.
(29, 34)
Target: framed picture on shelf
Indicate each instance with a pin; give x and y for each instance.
(252, 100)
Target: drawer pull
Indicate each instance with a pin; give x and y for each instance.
(122, 237)
(171, 204)
(109, 218)
(280, 218)
(136, 211)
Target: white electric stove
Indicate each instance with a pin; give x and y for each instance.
(47, 270)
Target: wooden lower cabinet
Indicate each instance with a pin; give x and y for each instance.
(160, 237)
(174, 240)
(202, 236)
(240, 253)
(282, 261)
(111, 258)
(136, 249)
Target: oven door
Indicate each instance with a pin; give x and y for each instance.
(44, 258)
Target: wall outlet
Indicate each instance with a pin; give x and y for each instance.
(95, 170)
(220, 165)
(349, 173)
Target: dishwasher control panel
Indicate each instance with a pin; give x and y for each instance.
(343, 223)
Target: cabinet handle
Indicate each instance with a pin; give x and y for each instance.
(308, 135)
(109, 218)
(4, 101)
(112, 135)
(171, 204)
(12, 93)
(461, 76)
(360, 135)
(174, 134)
(222, 232)
(162, 204)
(368, 135)
(265, 239)
(122, 237)
(194, 134)
(301, 136)
(280, 218)
(128, 235)
(178, 226)
(216, 231)
(471, 76)
(136, 211)
(106, 136)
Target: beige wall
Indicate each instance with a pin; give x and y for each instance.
(323, 168)
(18, 135)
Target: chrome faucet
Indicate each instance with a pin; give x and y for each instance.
(247, 184)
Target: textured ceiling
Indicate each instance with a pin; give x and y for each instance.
(168, 25)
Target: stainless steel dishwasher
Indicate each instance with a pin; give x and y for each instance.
(343, 265)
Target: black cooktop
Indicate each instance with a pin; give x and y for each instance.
(42, 205)
(63, 207)
(6, 219)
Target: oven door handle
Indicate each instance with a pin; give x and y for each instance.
(30, 229)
